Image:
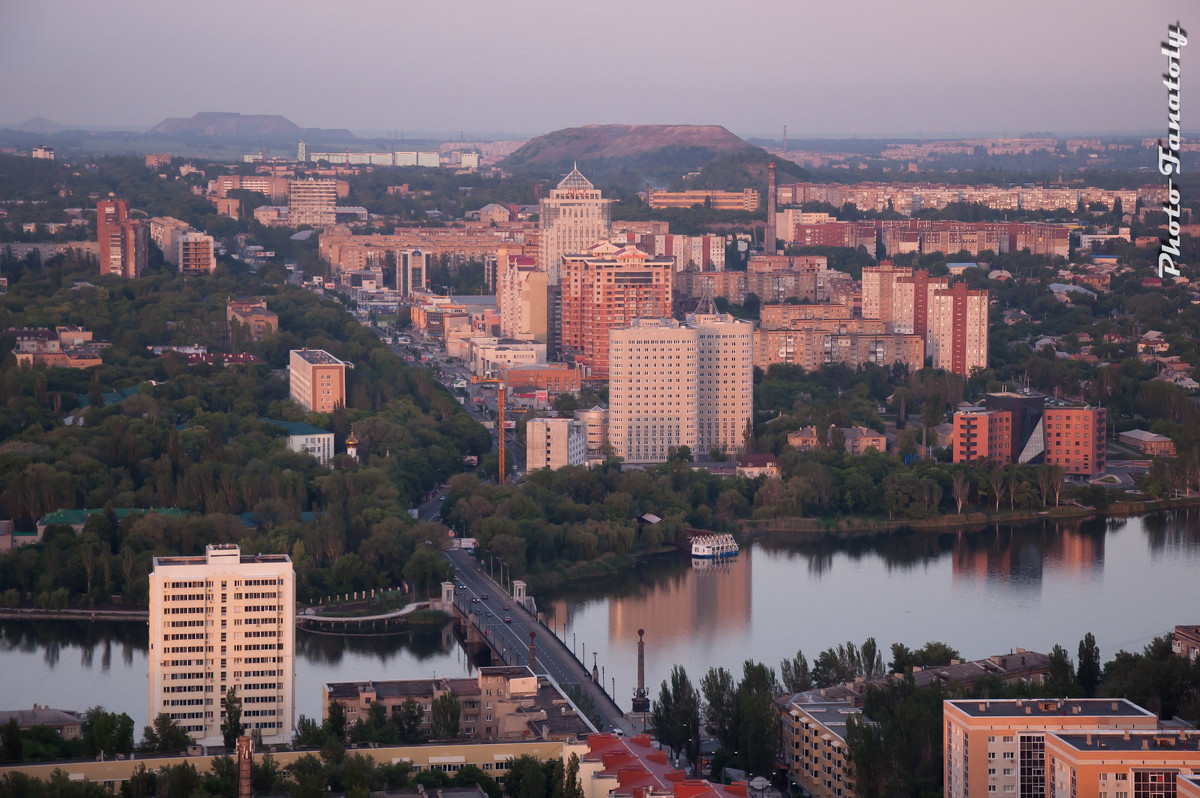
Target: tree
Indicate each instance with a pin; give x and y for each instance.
(165, 736)
(960, 486)
(335, 722)
(1062, 673)
(410, 721)
(444, 716)
(676, 715)
(718, 690)
(231, 726)
(526, 778)
(1045, 481)
(1087, 671)
(795, 674)
(996, 484)
(107, 732)
(10, 741)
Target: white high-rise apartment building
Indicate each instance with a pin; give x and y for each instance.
(726, 381)
(652, 389)
(554, 443)
(571, 219)
(219, 621)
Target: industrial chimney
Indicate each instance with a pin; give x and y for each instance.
(769, 243)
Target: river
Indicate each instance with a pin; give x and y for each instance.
(1126, 580)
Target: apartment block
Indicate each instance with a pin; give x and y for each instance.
(725, 371)
(157, 160)
(573, 218)
(217, 622)
(746, 200)
(554, 378)
(1075, 439)
(1135, 764)
(957, 339)
(124, 242)
(554, 443)
(1186, 642)
(608, 287)
(312, 202)
(317, 380)
(858, 440)
(595, 430)
(653, 389)
(196, 253)
(982, 434)
(523, 294)
(879, 289)
(165, 232)
(999, 746)
(814, 746)
(65, 347)
(812, 345)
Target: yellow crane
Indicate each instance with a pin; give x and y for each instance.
(500, 402)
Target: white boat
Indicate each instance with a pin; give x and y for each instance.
(714, 547)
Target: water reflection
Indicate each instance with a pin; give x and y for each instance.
(1170, 532)
(423, 645)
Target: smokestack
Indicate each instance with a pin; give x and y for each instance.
(533, 652)
(769, 243)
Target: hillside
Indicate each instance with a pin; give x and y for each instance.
(648, 150)
(251, 127)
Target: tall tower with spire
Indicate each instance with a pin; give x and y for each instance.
(571, 219)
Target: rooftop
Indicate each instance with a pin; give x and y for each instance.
(1133, 741)
(317, 357)
(1144, 435)
(831, 714)
(1014, 707)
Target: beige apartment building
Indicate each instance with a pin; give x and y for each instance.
(574, 217)
(219, 621)
(814, 746)
(317, 380)
(554, 443)
(523, 296)
(653, 389)
(312, 202)
(673, 384)
(196, 253)
(725, 371)
(999, 746)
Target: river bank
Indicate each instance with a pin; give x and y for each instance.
(850, 527)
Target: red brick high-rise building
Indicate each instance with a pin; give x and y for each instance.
(607, 287)
(124, 242)
(1074, 439)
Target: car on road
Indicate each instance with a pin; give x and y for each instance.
(484, 597)
(474, 601)
(506, 607)
(489, 614)
(507, 619)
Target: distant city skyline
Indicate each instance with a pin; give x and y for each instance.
(939, 69)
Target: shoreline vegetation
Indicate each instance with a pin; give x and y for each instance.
(779, 529)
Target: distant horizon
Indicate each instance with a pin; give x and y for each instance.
(499, 135)
(877, 70)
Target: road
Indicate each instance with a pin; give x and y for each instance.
(512, 638)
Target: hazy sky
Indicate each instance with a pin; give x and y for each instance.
(868, 69)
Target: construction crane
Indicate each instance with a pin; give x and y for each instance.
(500, 401)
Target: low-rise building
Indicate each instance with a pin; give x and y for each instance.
(1148, 442)
(307, 439)
(814, 746)
(65, 347)
(1186, 642)
(67, 725)
(252, 314)
(500, 703)
(554, 443)
(752, 466)
(856, 440)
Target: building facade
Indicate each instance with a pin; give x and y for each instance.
(219, 622)
(998, 746)
(745, 200)
(554, 443)
(814, 746)
(958, 329)
(523, 294)
(573, 218)
(124, 242)
(725, 371)
(1075, 439)
(653, 390)
(606, 288)
(312, 202)
(196, 253)
(1136, 764)
(317, 380)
